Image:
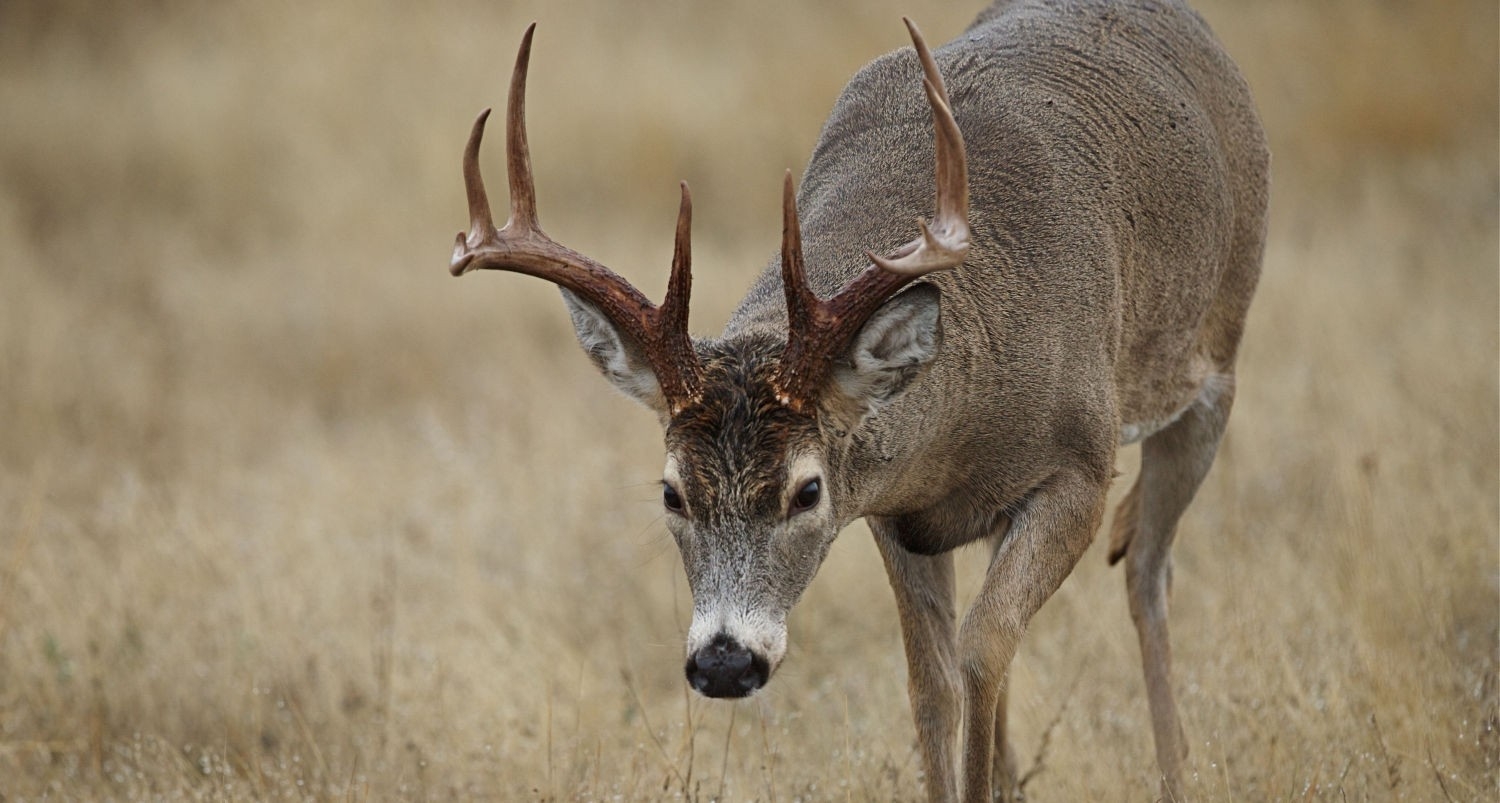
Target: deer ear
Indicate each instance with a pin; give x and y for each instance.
(615, 354)
(894, 347)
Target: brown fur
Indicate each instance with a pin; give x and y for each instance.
(1122, 529)
(734, 437)
(1118, 180)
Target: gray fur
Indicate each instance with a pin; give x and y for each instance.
(612, 353)
(895, 346)
(1118, 185)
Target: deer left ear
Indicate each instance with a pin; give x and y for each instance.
(893, 348)
(614, 353)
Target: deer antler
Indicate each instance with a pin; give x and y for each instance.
(521, 246)
(817, 330)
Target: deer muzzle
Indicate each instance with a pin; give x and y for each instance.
(726, 668)
(733, 654)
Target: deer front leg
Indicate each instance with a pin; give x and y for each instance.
(924, 601)
(1045, 541)
(1005, 781)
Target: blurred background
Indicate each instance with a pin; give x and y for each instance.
(286, 512)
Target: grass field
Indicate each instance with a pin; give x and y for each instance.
(287, 513)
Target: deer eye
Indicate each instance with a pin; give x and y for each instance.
(807, 497)
(671, 498)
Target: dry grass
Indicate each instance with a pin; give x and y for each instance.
(287, 513)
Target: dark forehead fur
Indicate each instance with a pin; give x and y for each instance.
(733, 443)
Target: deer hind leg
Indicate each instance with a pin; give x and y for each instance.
(1046, 539)
(1173, 464)
(924, 601)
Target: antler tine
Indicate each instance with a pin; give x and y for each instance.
(517, 152)
(481, 222)
(801, 303)
(946, 242)
(674, 308)
(521, 246)
(818, 331)
(952, 161)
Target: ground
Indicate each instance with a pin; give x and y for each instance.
(289, 513)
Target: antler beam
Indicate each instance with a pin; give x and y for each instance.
(521, 246)
(817, 330)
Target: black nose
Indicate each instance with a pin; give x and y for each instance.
(726, 669)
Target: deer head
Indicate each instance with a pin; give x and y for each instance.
(757, 480)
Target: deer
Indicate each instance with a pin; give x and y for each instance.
(1077, 283)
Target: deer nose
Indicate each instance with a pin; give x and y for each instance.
(725, 668)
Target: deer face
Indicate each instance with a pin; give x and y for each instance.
(754, 489)
(746, 494)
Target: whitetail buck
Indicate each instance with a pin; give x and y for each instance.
(1094, 245)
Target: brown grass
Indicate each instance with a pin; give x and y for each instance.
(288, 513)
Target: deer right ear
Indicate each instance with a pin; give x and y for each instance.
(893, 348)
(619, 358)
